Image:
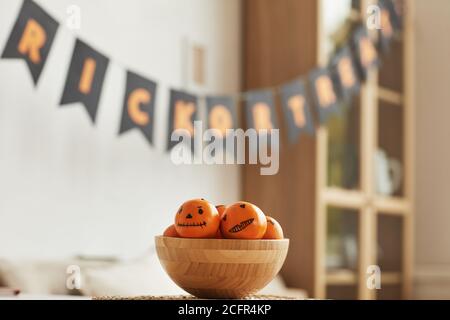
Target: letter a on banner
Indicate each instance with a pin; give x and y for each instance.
(31, 38)
(183, 112)
(85, 78)
(139, 105)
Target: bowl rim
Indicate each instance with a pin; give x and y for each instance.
(224, 239)
(221, 244)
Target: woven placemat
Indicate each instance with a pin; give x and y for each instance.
(188, 297)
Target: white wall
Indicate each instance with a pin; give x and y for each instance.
(68, 187)
(433, 149)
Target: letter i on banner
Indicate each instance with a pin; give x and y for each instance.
(323, 93)
(31, 38)
(85, 78)
(183, 112)
(138, 105)
(297, 110)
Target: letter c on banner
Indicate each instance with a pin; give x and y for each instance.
(136, 98)
(33, 39)
(262, 116)
(220, 119)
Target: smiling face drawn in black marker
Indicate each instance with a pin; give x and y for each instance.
(197, 219)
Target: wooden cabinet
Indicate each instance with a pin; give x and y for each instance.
(284, 39)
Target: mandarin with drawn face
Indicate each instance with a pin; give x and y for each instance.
(243, 220)
(197, 219)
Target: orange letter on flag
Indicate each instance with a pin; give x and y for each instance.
(325, 91)
(33, 39)
(220, 119)
(183, 114)
(136, 98)
(297, 105)
(262, 116)
(87, 76)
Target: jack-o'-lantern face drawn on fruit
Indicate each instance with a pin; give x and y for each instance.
(243, 220)
(197, 219)
(274, 230)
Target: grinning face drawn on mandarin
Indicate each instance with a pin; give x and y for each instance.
(170, 231)
(274, 230)
(243, 220)
(197, 219)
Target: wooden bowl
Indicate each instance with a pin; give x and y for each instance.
(221, 268)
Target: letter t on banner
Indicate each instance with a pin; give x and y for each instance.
(31, 38)
(85, 78)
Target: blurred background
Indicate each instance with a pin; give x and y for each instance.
(370, 188)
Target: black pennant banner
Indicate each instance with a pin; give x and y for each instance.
(323, 93)
(297, 109)
(31, 38)
(138, 105)
(183, 112)
(345, 76)
(85, 78)
(221, 112)
(33, 34)
(260, 110)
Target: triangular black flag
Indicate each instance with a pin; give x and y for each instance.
(260, 110)
(365, 52)
(221, 112)
(297, 110)
(323, 93)
(344, 73)
(85, 78)
(31, 38)
(183, 112)
(138, 105)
